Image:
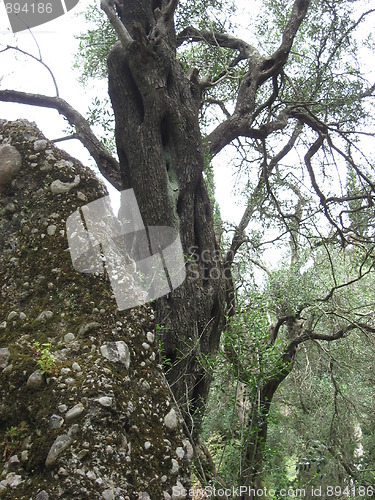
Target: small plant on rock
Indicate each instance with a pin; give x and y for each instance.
(46, 360)
(13, 439)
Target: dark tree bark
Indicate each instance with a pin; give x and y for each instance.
(162, 158)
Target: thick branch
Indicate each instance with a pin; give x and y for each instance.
(108, 7)
(223, 40)
(274, 64)
(107, 165)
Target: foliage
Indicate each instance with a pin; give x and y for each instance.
(46, 360)
(13, 439)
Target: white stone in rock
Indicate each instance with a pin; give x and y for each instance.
(42, 495)
(118, 352)
(171, 421)
(175, 467)
(105, 401)
(91, 475)
(180, 452)
(59, 445)
(69, 337)
(35, 380)
(108, 494)
(4, 356)
(12, 315)
(147, 445)
(10, 164)
(150, 337)
(59, 187)
(179, 492)
(40, 145)
(189, 449)
(75, 412)
(44, 315)
(51, 230)
(55, 422)
(76, 367)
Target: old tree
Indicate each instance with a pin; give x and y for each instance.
(293, 106)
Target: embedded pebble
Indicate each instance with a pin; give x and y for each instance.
(51, 230)
(55, 422)
(10, 164)
(59, 187)
(150, 337)
(118, 352)
(42, 495)
(4, 356)
(75, 412)
(59, 445)
(40, 145)
(105, 401)
(175, 467)
(108, 495)
(171, 421)
(35, 380)
(10, 208)
(12, 315)
(44, 315)
(76, 367)
(69, 337)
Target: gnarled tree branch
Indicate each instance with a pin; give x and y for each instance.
(108, 166)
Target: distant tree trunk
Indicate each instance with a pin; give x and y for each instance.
(162, 158)
(255, 448)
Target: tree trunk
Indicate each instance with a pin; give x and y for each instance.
(258, 428)
(162, 158)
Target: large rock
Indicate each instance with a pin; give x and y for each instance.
(10, 164)
(82, 432)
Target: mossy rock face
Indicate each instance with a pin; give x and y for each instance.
(84, 426)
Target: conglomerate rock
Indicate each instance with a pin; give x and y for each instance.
(78, 419)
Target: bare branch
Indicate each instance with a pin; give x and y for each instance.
(38, 59)
(238, 238)
(108, 7)
(107, 165)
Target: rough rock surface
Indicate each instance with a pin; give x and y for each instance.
(98, 421)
